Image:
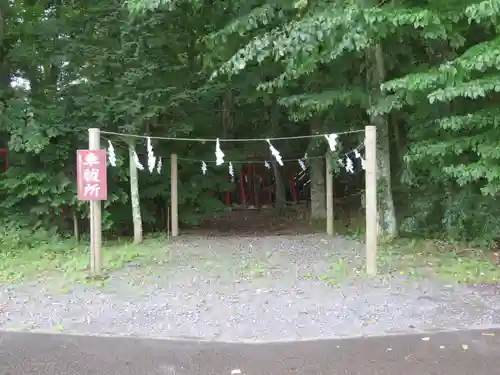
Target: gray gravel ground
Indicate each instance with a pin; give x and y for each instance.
(266, 288)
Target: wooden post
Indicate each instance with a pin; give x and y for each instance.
(371, 199)
(95, 216)
(135, 200)
(329, 194)
(174, 195)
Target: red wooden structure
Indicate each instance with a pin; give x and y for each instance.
(256, 185)
(4, 153)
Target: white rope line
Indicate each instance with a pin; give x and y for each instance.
(249, 161)
(227, 139)
(194, 160)
(155, 161)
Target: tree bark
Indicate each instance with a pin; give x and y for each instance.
(318, 196)
(5, 46)
(280, 194)
(387, 224)
(134, 197)
(317, 177)
(76, 227)
(279, 186)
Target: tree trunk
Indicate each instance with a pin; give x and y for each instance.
(76, 227)
(4, 49)
(387, 224)
(317, 176)
(318, 196)
(134, 197)
(279, 186)
(227, 115)
(280, 194)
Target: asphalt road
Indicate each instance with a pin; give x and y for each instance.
(456, 353)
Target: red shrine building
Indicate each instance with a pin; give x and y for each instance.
(4, 162)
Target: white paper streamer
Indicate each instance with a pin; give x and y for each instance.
(231, 170)
(332, 141)
(158, 166)
(302, 165)
(111, 154)
(267, 165)
(349, 166)
(219, 155)
(275, 153)
(138, 162)
(358, 156)
(151, 155)
(305, 156)
(203, 168)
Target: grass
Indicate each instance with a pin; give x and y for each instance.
(58, 259)
(447, 261)
(417, 259)
(422, 258)
(62, 260)
(254, 269)
(340, 271)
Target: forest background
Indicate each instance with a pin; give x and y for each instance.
(425, 73)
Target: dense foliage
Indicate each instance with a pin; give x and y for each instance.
(425, 73)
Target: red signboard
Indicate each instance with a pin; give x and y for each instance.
(91, 175)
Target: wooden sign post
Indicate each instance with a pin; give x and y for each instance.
(174, 195)
(92, 187)
(330, 217)
(371, 199)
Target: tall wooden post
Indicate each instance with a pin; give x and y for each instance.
(371, 199)
(134, 195)
(174, 195)
(329, 194)
(95, 215)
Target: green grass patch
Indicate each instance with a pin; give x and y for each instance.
(447, 261)
(340, 271)
(252, 269)
(62, 259)
(417, 260)
(423, 258)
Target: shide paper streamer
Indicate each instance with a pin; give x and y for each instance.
(138, 162)
(357, 155)
(219, 155)
(345, 161)
(302, 164)
(275, 153)
(349, 166)
(111, 154)
(151, 156)
(332, 141)
(159, 165)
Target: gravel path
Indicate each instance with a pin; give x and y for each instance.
(250, 288)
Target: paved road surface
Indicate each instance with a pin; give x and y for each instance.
(457, 353)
